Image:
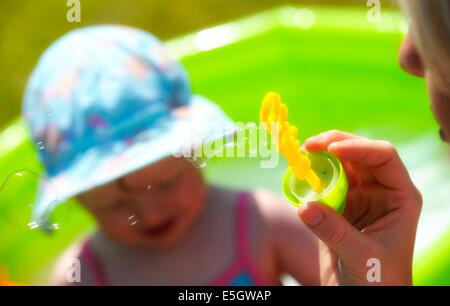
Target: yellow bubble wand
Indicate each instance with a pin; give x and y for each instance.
(329, 187)
(274, 115)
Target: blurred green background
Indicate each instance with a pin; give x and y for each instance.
(28, 27)
(334, 69)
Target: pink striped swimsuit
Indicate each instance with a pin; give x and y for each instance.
(242, 272)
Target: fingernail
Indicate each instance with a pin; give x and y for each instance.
(332, 146)
(310, 214)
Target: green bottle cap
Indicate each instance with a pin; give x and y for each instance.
(330, 170)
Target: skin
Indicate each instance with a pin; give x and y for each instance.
(380, 221)
(150, 252)
(383, 205)
(410, 60)
(176, 196)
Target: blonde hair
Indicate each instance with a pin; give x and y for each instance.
(430, 29)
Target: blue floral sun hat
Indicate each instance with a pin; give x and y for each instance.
(105, 101)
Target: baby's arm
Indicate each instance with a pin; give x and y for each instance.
(295, 248)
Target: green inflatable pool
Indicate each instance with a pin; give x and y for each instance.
(334, 69)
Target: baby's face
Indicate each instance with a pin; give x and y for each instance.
(152, 207)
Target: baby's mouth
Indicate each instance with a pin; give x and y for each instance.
(161, 229)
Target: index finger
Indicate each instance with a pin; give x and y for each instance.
(323, 140)
(380, 156)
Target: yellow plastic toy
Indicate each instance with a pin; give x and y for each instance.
(274, 115)
(311, 176)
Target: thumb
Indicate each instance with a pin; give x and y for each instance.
(333, 229)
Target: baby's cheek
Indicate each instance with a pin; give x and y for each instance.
(190, 202)
(193, 193)
(117, 226)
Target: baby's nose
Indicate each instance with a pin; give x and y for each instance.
(148, 213)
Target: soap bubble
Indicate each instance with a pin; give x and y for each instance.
(247, 140)
(199, 163)
(132, 220)
(40, 145)
(17, 200)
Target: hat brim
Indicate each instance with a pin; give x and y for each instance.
(192, 125)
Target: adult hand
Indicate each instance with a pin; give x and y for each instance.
(379, 223)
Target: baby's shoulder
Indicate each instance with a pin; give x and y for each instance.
(272, 212)
(269, 203)
(262, 204)
(254, 207)
(254, 213)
